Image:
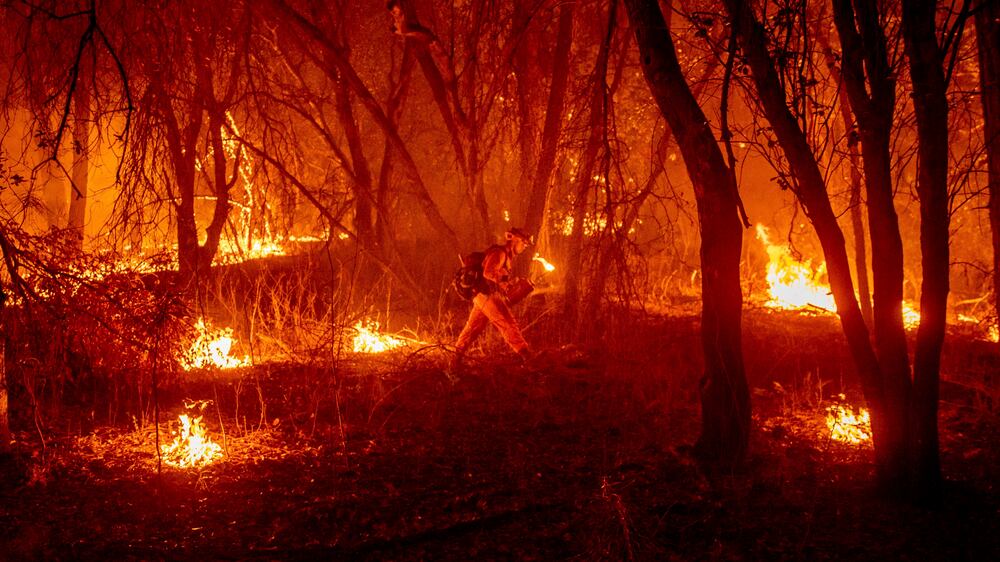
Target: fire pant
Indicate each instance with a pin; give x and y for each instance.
(493, 309)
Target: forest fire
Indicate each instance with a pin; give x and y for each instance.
(256, 207)
(211, 348)
(367, 338)
(793, 284)
(847, 424)
(191, 447)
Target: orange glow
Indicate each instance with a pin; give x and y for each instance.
(191, 448)
(911, 316)
(367, 338)
(231, 253)
(794, 284)
(211, 349)
(545, 264)
(847, 425)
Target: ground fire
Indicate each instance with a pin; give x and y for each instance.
(848, 424)
(211, 348)
(191, 446)
(728, 280)
(793, 283)
(368, 339)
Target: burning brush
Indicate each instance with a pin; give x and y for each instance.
(191, 447)
(368, 339)
(211, 348)
(847, 424)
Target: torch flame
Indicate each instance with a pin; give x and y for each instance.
(545, 264)
(191, 448)
(211, 349)
(847, 426)
(369, 340)
(792, 283)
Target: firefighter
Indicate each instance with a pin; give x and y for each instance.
(500, 289)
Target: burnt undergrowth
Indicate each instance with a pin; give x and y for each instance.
(583, 452)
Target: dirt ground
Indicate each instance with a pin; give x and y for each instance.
(581, 454)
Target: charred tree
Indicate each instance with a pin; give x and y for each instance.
(988, 43)
(724, 394)
(931, 107)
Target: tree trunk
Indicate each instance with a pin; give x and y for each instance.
(4, 411)
(534, 215)
(854, 160)
(359, 164)
(811, 192)
(865, 68)
(931, 105)
(81, 156)
(988, 41)
(725, 396)
(597, 126)
(384, 229)
(222, 186)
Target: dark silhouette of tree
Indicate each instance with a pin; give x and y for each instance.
(724, 393)
(987, 20)
(903, 402)
(552, 128)
(927, 74)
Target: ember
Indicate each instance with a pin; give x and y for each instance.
(211, 349)
(792, 283)
(369, 340)
(191, 448)
(848, 426)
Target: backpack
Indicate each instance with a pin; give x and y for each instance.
(469, 280)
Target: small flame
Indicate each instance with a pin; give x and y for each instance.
(847, 426)
(369, 340)
(211, 349)
(545, 264)
(191, 448)
(792, 283)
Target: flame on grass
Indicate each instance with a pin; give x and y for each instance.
(847, 424)
(545, 264)
(794, 284)
(367, 338)
(211, 349)
(191, 447)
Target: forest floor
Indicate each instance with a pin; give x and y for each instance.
(580, 454)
